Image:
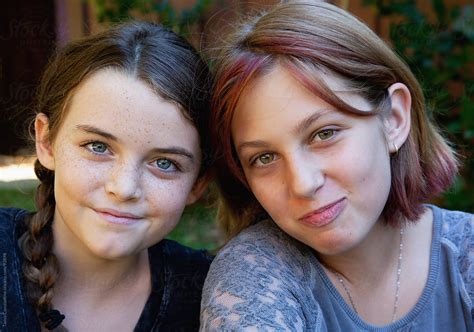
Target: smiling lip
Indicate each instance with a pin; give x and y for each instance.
(118, 217)
(324, 215)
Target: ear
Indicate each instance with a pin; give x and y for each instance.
(199, 188)
(44, 149)
(398, 123)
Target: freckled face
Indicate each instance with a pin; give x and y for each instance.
(125, 161)
(322, 175)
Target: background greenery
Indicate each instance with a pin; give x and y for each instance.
(438, 45)
(161, 11)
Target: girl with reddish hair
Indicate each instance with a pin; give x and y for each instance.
(326, 157)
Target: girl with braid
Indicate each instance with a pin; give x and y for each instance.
(120, 139)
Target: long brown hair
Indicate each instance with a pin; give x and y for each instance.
(164, 61)
(307, 39)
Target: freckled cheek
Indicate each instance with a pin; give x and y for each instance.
(168, 197)
(78, 174)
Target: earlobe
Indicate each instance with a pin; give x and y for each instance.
(199, 188)
(44, 149)
(398, 122)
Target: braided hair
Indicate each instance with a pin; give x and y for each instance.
(40, 266)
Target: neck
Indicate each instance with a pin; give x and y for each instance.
(371, 259)
(371, 281)
(81, 269)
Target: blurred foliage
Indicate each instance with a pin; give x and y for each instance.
(438, 45)
(160, 10)
(197, 228)
(17, 196)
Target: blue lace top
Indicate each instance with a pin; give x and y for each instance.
(265, 280)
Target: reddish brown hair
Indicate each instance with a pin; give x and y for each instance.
(307, 39)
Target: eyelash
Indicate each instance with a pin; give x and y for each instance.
(177, 166)
(254, 160)
(88, 147)
(333, 130)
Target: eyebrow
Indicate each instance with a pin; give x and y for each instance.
(300, 127)
(174, 150)
(97, 131)
(306, 122)
(170, 150)
(253, 144)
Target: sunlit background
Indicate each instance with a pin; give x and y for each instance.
(16, 169)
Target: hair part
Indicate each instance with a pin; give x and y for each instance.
(309, 39)
(163, 60)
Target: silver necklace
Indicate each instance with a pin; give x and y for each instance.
(397, 285)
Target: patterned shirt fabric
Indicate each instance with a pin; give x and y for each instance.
(264, 280)
(177, 277)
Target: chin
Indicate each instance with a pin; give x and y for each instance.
(333, 246)
(114, 252)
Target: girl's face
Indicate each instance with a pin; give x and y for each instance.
(322, 175)
(125, 163)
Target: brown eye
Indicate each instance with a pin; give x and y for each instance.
(266, 158)
(325, 134)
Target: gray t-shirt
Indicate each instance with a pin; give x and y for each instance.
(264, 280)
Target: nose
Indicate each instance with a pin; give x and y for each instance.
(124, 182)
(304, 176)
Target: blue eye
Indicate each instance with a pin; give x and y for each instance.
(97, 147)
(166, 165)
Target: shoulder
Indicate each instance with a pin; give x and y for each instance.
(23, 318)
(8, 216)
(456, 232)
(178, 274)
(188, 265)
(183, 257)
(261, 279)
(264, 245)
(9, 219)
(269, 245)
(456, 227)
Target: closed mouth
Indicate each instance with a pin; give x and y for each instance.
(118, 214)
(325, 214)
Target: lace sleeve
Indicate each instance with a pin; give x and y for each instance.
(259, 282)
(457, 227)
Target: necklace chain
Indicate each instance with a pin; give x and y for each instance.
(397, 285)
